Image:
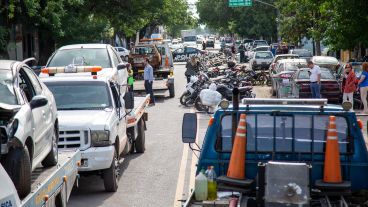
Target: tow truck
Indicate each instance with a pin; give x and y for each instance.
(161, 59)
(285, 153)
(50, 186)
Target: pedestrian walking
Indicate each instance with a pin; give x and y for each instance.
(363, 85)
(192, 68)
(233, 51)
(242, 53)
(315, 79)
(350, 84)
(148, 80)
(204, 45)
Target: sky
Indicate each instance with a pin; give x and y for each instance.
(192, 7)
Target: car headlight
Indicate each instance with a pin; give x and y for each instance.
(100, 138)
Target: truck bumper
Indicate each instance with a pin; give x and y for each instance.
(96, 158)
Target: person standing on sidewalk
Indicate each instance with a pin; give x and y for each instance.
(315, 79)
(363, 85)
(350, 84)
(148, 80)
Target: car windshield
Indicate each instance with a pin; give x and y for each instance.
(285, 57)
(142, 50)
(262, 49)
(80, 95)
(285, 133)
(264, 55)
(190, 39)
(294, 66)
(81, 56)
(303, 53)
(228, 40)
(7, 95)
(325, 74)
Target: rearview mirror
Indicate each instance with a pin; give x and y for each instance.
(129, 100)
(189, 128)
(38, 101)
(121, 66)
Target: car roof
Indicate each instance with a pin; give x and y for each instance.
(88, 46)
(74, 78)
(7, 64)
(287, 55)
(324, 60)
(300, 50)
(298, 60)
(290, 107)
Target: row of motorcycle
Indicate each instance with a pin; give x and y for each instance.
(216, 81)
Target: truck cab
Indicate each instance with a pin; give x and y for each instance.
(285, 143)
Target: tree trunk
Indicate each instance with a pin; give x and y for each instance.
(318, 47)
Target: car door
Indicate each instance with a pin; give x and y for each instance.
(120, 116)
(40, 120)
(122, 74)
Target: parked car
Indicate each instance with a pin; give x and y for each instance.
(123, 53)
(330, 87)
(250, 53)
(245, 41)
(210, 43)
(142, 51)
(176, 45)
(28, 124)
(183, 54)
(257, 43)
(261, 60)
(283, 71)
(327, 62)
(303, 53)
(282, 57)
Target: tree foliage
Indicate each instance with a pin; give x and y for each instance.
(254, 22)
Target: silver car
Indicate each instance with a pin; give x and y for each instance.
(261, 60)
(28, 124)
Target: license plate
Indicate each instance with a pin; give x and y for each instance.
(264, 63)
(285, 81)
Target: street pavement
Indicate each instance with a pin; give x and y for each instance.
(164, 174)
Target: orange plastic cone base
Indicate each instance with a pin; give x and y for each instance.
(332, 165)
(236, 168)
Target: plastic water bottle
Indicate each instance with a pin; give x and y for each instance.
(201, 188)
(212, 184)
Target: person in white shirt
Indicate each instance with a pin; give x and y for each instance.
(315, 79)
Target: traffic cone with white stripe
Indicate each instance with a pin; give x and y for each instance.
(332, 166)
(236, 168)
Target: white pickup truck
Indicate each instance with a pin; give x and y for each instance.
(96, 113)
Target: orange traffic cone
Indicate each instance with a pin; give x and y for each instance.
(332, 166)
(236, 168)
(167, 62)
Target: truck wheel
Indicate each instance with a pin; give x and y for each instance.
(18, 166)
(139, 143)
(52, 158)
(110, 175)
(172, 90)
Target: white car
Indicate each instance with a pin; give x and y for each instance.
(123, 52)
(28, 124)
(261, 60)
(176, 45)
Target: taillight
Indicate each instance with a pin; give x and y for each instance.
(273, 65)
(285, 76)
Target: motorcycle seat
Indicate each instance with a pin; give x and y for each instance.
(245, 88)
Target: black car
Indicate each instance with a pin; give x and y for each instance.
(184, 54)
(210, 43)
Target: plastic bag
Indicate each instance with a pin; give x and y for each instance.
(213, 87)
(210, 97)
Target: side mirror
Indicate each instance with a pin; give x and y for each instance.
(189, 128)
(129, 100)
(121, 66)
(38, 101)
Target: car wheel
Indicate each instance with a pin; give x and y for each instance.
(140, 142)
(110, 175)
(199, 106)
(18, 166)
(184, 97)
(172, 90)
(52, 158)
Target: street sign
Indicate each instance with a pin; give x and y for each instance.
(238, 3)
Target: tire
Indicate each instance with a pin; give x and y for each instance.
(199, 106)
(140, 142)
(18, 166)
(52, 158)
(172, 90)
(111, 174)
(183, 98)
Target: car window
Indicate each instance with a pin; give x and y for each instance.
(143, 50)
(161, 50)
(264, 55)
(80, 95)
(81, 56)
(284, 133)
(191, 50)
(7, 94)
(35, 82)
(293, 66)
(280, 67)
(115, 95)
(303, 74)
(26, 85)
(180, 50)
(115, 58)
(326, 74)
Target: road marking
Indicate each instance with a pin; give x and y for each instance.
(181, 177)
